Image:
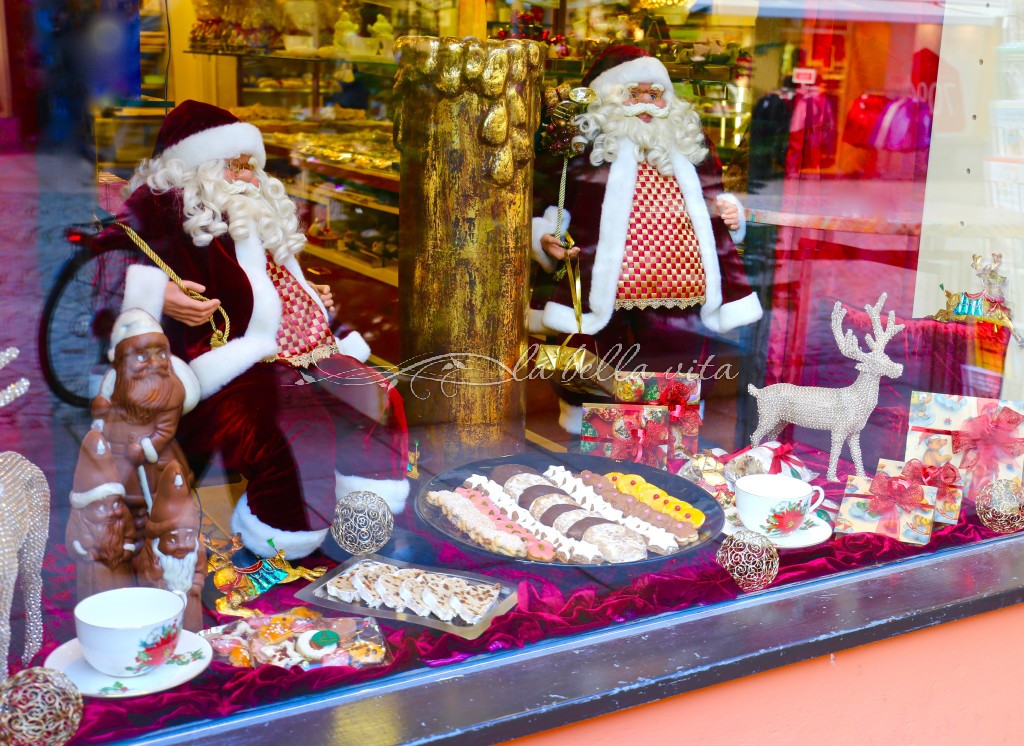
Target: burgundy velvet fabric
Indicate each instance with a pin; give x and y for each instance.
(548, 607)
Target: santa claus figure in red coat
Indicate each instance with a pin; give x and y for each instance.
(271, 396)
(659, 270)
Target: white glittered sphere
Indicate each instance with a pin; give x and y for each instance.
(1000, 506)
(39, 707)
(362, 523)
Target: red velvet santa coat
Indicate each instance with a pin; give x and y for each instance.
(234, 274)
(599, 200)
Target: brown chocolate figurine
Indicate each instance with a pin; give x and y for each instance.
(140, 404)
(172, 557)
(100, 532)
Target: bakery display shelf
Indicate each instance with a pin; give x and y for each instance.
(387, 275)
(378, 179)
(353, 198)
(276, 89)
(356, 59)
(305, 193)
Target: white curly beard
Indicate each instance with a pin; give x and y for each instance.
(178, 573)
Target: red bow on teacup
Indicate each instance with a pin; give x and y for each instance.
(889, 494)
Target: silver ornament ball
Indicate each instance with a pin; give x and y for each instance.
(39, 707)
(362, 523)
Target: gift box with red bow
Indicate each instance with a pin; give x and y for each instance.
(891, 506)
(626, 431)
(680, 392)
(984, 438)
(947, 479)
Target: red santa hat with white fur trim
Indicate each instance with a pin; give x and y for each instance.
(623, 64)
(195, 133)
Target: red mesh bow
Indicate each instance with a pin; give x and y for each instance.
(988, 441)
(891, 493)
(946, 477)
(643, 445)
(687, 416)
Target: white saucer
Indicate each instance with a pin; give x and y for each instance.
(817, 533)
(191, 657)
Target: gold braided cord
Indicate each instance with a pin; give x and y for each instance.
(219, 337)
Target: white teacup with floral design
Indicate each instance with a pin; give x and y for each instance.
(775, 505)
(129, 631)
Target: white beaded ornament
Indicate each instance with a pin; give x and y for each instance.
(999, 506)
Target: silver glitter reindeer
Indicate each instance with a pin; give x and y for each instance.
(843, 412)
(24, 525)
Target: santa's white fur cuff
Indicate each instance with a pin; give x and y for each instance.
(255, 535)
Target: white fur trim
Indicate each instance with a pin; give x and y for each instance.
(535, 322)
(394, 491)
(81, 499)
(570, 418)
(255, 533)
(740, 233)
(144, 288)
(355, 346)
(218, 367)
(226, 141)
(740, 312)
(189, 381)
(639, 70)
(544, 225)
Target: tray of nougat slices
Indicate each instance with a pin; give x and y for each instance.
(463, 603)
(571, 509)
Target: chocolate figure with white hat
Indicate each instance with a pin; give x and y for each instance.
(659, 268)
(172, 557)
(100, 535)
(140, 403)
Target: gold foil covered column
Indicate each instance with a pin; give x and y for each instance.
(468, 111)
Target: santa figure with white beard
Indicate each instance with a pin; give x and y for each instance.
(270, 397)
(658, 269)
(173, 557)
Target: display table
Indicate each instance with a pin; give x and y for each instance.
(581, 642)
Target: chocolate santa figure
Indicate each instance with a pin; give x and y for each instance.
(100, 535)
(658, 269)
(270, 403)
(172, 557)
(140, 404)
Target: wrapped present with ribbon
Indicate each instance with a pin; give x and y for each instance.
(772, 457)
(947, 479)
(984, 438)
(682, 397)
(633, 432)
(891, 506)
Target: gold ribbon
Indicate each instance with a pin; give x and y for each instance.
(219, 337)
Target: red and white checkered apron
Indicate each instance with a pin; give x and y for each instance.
(304, 335)
(662, 266)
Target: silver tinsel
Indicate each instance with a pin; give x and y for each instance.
(843, 412)
(362, 523)
(751, 559)
(24, 525)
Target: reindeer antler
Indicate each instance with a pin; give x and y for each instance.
(847, 342)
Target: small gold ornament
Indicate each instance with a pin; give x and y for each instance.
(362, 523)
(750, 558)
(999, 506)
(39, 707)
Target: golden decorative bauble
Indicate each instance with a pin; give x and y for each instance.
(999, 506)
(362, 522)
(751, 559)
(39, 707)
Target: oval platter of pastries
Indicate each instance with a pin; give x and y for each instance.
(570, 509)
